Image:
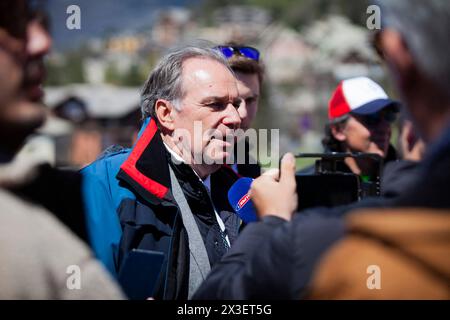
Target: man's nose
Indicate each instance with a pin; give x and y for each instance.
(232, 117)
(39, 40)
(242, 110)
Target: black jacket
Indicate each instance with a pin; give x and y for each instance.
(398, 176)
(273, 259)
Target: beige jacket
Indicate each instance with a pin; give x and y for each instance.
(40, 258)
(399, 254)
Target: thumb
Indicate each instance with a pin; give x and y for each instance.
(273, 172)
(287, 170)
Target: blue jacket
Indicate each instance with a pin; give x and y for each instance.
(129, 205)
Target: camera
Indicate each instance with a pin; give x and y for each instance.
(330, 182)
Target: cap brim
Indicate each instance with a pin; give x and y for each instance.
(375, 106)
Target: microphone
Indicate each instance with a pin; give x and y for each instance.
(240, 200)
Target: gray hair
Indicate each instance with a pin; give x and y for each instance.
(165, 81)
(425, 27)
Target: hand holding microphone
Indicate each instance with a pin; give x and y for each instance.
(270, 194)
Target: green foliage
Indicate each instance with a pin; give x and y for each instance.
(70, 70)
(66, 72)
(74, 68)
(112, 75)
(54, 74)
(133, 77)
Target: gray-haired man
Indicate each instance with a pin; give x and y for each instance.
(152, 196)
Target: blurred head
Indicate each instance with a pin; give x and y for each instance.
(194, 87)
(23, 43)
(414, 44)
(249, 72)
(360, 115)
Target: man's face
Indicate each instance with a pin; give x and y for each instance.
(210, 100)
(249, 91)
(22, 46)
(367, 134)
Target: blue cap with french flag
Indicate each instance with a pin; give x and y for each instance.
(360, 96)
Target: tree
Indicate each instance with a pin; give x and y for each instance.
(112, 75)
(133, 77)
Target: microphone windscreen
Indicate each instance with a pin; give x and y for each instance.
(240, 200)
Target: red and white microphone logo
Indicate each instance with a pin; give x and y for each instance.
(243, 201)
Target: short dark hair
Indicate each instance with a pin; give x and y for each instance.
(14, 17)
(329, 142)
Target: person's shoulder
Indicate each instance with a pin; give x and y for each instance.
(100, 177)
(37, 251)
(11, 203)
(110, 160)
(26, 226)
(400, 165)
(317, 229)
(317, 218)
(369, 245)
(113, 151)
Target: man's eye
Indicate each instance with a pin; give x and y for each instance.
(216, 105)
(250, 100)
(239, 102)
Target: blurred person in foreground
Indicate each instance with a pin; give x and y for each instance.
(36, 250)
(407, 237)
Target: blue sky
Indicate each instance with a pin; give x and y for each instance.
(102, 16)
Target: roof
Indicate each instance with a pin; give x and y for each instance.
(102, 101)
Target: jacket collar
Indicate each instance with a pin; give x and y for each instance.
(146, 169)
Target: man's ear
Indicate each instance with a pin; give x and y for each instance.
(397, 54)
(338, 132)
(163, 111)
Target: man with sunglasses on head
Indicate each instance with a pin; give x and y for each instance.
(249, 71)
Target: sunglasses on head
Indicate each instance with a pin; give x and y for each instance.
(387, 115)
(248, 52)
